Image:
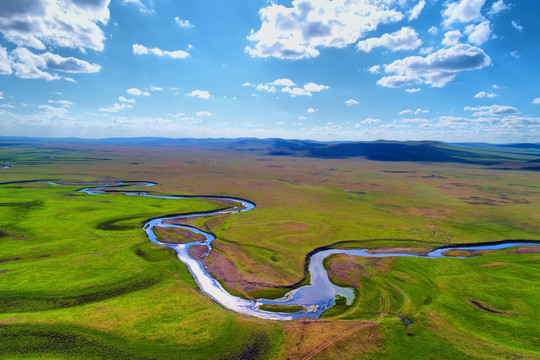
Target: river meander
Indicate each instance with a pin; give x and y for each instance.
(314, 298)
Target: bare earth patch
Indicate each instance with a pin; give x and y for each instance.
(177, 236)
(197, 251)
(493, 264)
(312, 339)
(526, 250)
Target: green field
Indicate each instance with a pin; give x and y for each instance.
(80, 280)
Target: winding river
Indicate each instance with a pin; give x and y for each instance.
(314, 298)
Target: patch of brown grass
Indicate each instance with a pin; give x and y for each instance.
(308, 339)
(493, 264)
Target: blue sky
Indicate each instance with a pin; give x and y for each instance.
(456, 70)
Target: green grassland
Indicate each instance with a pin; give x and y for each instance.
(80, 280)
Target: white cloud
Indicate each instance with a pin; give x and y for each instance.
(134, 91)
(283, 82)
(433, 30)
(516, 26)
(478, 34)
(312, 87)
(514, 54)
(426, 50)
(143, 50)
(416, 112)
(451, 38)
(497, 7)
(370, 121)
(295, 91)
(203, 113)
(72, 24)
(416, 10)
(404, 39)
(143, 8)
(2, 96)
(463, 11)
(183, 23)
(155, 88)
(536, 101)
(412, 90)
(375, 69)
(137, 92)
(312, 110)
(266, 87)
(288, 86)
(5, 63)
(351, 102)
(201, 94)
(27, 65)
(436, 69)
(116, 108)
(302, 117)
(139, 49)
(123, 99)
(492, 110)
(64, 103)
(296, 32)
(483, 94)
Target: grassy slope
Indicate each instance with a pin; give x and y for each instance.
(92, 287)
(435, 294)
(302, 204)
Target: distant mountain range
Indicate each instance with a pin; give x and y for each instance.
(502, 156)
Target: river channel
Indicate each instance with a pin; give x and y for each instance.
(314, 298)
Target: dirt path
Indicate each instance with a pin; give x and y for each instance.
(337, 338)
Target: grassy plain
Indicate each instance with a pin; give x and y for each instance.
(79, 279)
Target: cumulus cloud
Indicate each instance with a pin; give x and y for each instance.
(478, 34)
(312, 110)
(137, 92)
(183, 23)
(201, 94)
(283, 82)
(483, 94)
(139, 49)
(433, 30)
(404, 39)
(123, 99)
(27, 65)
(436, 69)
(69, 23)
(412, 90)
(5, 63)
(288, 86)
(463, 11)
(375, 69)
(492, 110)
(516, 26)
(64, 103)
(451, 38)
(497, 7)
(536, 101)
(298, 31)
(416, 112)
(416, 10)
(370, 121)
(116, 108)
(155, 88)
(351, 102)
(142, 7)
(203, 113)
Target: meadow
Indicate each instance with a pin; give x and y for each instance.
(80, 280)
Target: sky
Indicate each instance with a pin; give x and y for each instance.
(454, 70)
